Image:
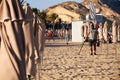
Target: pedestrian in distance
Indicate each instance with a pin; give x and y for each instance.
(50, 34)
(93, 38)
(67, 35)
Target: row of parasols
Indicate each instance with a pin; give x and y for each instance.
(21, 40)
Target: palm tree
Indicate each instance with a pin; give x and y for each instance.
(52, 18)
(35, 10)
(43, 15)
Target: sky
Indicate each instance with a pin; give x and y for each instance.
(44, 4)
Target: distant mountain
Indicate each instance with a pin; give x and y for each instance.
(73, 11)
(113, 4)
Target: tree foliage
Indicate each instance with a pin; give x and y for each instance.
(43, 15)
(35, 10)
(52, 17)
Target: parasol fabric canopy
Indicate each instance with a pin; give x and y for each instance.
(29, 40)
(114, 31)
(12, 53)
(105, 31)
(39, 34)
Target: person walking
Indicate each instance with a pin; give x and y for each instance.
(50, 34)
(93, 35)
(67, 35)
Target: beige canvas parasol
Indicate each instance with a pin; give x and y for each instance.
(29, 40)
(100, 31)
(105, 31)
(12, 61)
(39, 29)
(114, 31)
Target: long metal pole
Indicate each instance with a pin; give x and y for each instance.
(81, 48)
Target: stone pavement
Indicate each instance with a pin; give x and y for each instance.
(62, 62)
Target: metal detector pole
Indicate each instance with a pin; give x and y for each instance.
(107, 47)
(81, 48)
(101, 47)
(115, 51)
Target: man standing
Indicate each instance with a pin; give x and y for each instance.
(93, 34)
